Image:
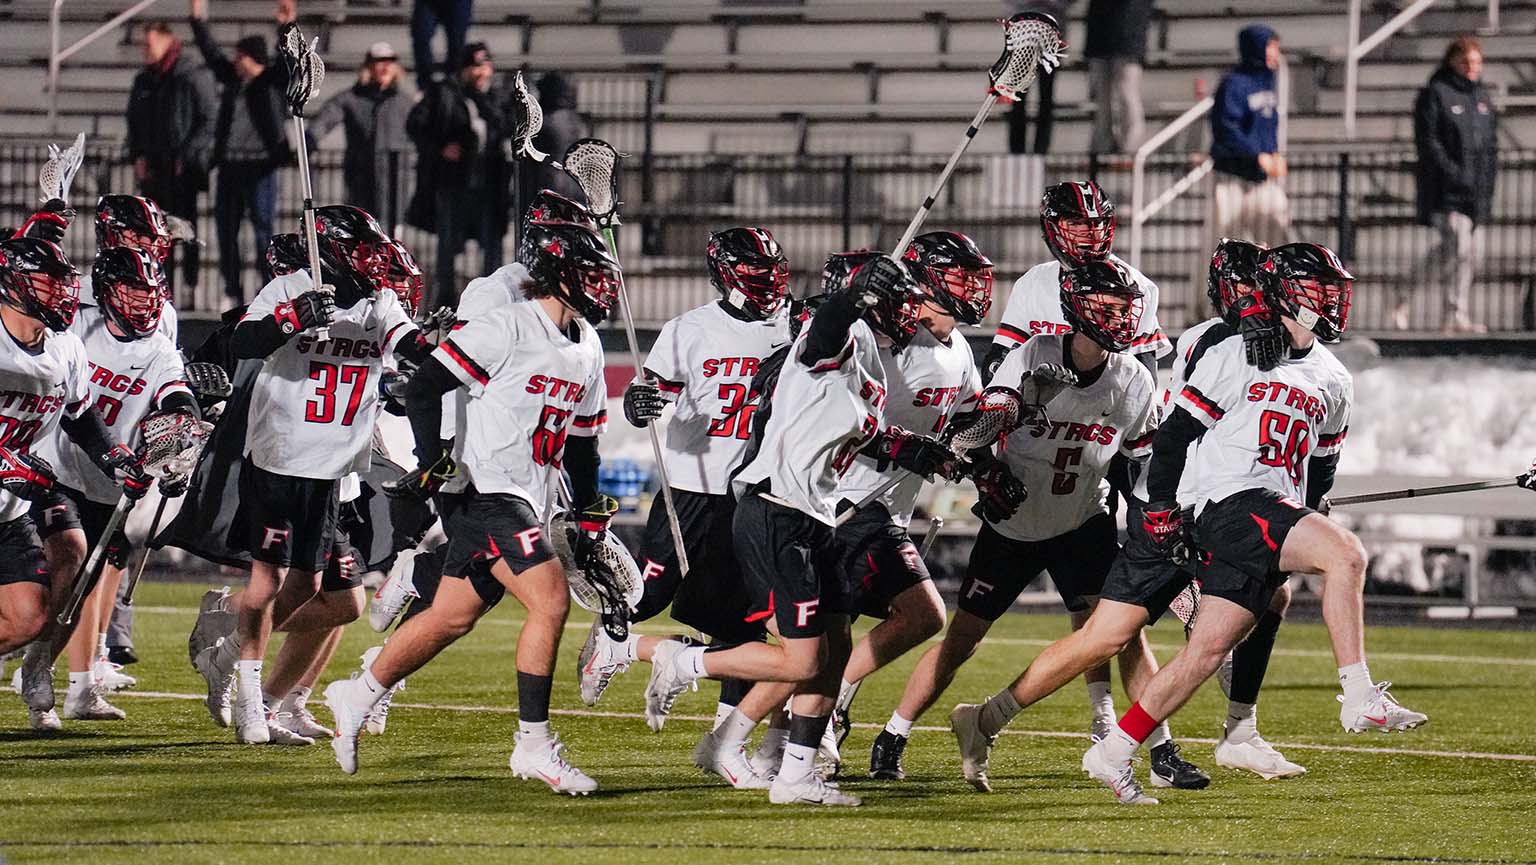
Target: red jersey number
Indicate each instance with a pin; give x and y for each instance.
(850, 449)
(1284, 442)
(549, 437)
(18, 434)
(735, 420)
(322, 408)
(1064, 482)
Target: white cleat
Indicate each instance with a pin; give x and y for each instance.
(1120, 779)
(765, 763)
(282, 730)
(302, 721)
(34, 679)
(1380, 712)
(812, 790)
(394, 593)
(250, 721)
(215, 619)
(1255, 755)
(220, 678)
(975, 746)
(704, 752)
(668, 680)
(45, 721)
(1100, 727)
(544, 759)
(735, 767)
(111, 676)
(349, 723)
(600, 660)
(87, 704)
(378, 716)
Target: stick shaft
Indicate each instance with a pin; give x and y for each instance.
(86, 578)
(949, 168)
(935, 524)
(1412, 493)
(871, 497)
(311, 239)
(661, 465)
(154, 526)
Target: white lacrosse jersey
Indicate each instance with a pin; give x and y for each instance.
(929, 382)
(1063, 458)
(168, 326)
(500, 287)
(528, 386)
(36, 392)
(704, 361)
(1264, 426)
(1034, 307)
(314, 403)
(821, 416)
(1183, 361)
(128, 380)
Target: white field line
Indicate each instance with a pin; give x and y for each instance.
(1168, 648)
(1042, 734)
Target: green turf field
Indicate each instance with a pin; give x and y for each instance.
(166, 786)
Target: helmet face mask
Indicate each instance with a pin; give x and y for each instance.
(354, 251)
(130, 290)
(570, 262)
(1307, 283)
(1233, 275)
(39, 282)
(1322, 307)
(1077, 221)
(403, 276)
(950, 267)
(1102, 302)
(135, 222)
(749, 269)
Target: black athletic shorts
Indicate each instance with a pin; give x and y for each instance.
(877, 560)
(292, 520)
(1143, 576)
(713, 598)
(484, 527)
(1001, 568)
(344, 571)
(787, 561)
(64, 509)
(1240, 539)
(21, 553)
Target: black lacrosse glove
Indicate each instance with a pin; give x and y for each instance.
(209, 383)
(592, 523)
(308, 310)
(1164, 524)
(1527, 481)
(24, 475)
(392, 385)
(1263, 335)
(175, 486)
(878, 280)
(136, 483)
(919, 454)
(49, 222)
(999, 493)
(422, 482)
(643, 402)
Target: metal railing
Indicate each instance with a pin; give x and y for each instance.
(57, 56)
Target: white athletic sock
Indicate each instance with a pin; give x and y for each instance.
(1100, 700)
(799, 762)
(1159, 735)
(297, 698)
(533, 729)
(998, 711)
(722, 711)
(248, 679)
(1355, 679)
(629, 649)
(80, 681)
(899, 726)
(1118, 746)
(101, 646)
(1242, 721)
(773, 741)
(362, 692)
(692, 661)
(734, 730)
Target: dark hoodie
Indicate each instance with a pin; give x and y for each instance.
(1245, 121)
(1456, 132)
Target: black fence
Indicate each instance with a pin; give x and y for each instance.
(1361, 203)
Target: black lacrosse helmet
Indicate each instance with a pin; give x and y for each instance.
(571, 262)
(1102, 301)
(1307, 282)
(1234, 273)
(955, 273)
(896, 318)
(129, 286)
(550, 206)
(1078, 222)
(354, 251)
(749, 269)
(286, 254)
(133, 221)
(404, 277)
(39, 281)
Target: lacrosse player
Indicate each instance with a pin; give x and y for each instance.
(1269, 442)
(533, 373)
(1077, 221)
(44, 386)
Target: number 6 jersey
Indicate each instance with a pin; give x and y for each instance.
(36, 392)
(705, 360)
(314, 403)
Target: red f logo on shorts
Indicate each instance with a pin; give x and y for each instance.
(52, 514)
(652, 570)
(803, 612)
(527, 538)
(977, 587)
(274, 537)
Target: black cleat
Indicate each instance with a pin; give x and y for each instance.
(122, 656)
(885, 757)
(1171, 770)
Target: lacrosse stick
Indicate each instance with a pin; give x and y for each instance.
(613, 588)
(527, 120)
(181, 230)
(59, 171)
(1394, 495)
(1031, 41)
(935, 525)
(305, 72)
(170, 423)
(172, 443)
(592, 164)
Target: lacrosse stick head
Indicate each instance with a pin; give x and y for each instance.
(1186, 605)
(615, 578)
(172, 442)
(594, 164)
(527, 120)
(1031, 42)
(306, 70)
(996, 415)
(59, 171)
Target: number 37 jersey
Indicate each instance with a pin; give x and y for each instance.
(705, 360)
(1264, 426)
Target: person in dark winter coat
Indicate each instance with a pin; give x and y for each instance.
(1455, 130)
(250, 143)
(372, 113)
(1116, 46)
(461, 132)
(171, 111)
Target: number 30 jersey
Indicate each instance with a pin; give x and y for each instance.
(1264, 426)
(314, 403)
(704, 360)
(1064, 457)
(528, 386)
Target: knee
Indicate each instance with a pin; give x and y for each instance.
(803, 666)
(1281, 602)
(457, 624)
(1350, 562)
(956, 650)
(921, 616)
(348, 605)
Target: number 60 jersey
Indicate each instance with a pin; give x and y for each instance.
(704, 360)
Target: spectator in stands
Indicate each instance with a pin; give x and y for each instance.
(1455, 129)
(250, 143)
(426, 16)
(372, 113)
(171, 110)
(1116, 46)
(462, 134)
(1044, 89)
(562, 128)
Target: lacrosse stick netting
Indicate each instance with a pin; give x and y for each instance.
(527, 121)
(306, 72)
(59, 171)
